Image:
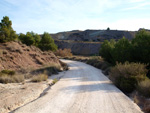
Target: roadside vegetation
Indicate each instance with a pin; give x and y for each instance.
(130, 62)
(9, 76)
(127, 62)
(44, 42)
(39, 78)
(63, 52)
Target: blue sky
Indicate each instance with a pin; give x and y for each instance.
(63, 15)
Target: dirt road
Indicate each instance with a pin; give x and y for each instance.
(82, 89)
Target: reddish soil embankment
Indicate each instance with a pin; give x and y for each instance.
(18, 56)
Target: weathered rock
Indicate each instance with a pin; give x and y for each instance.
(80, 48)
(93, 35)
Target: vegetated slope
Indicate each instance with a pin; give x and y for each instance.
(93, 35)
(18, 56)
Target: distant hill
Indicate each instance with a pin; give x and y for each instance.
(88, 42)
(93, 35)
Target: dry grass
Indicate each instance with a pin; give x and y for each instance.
(63, 53)
(39, 78)
(128, 69)
(126, 76)
(144, 88)
(4, 78)
(9, 76)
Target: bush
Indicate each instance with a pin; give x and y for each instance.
(127, 85)
(144, 88)
(8, 72)
(47, 43)
(125, 76)
(63, 53)
(54, 81)
(98, 62)
(11, 79)
(39, 78)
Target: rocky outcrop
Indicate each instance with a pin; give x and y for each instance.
(93, 35)
(80, 48)
(88, 42)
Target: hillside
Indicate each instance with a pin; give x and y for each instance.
(93, 35)
(18, 56)
(88, 42)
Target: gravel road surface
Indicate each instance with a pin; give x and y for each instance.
(82, 89)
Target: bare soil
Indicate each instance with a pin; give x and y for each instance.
(17, 56)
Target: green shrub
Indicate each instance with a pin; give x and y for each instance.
(126, 76)
(30, 38)
(8, 72)
(144, 88)
(54, 81)
(128, 69)
(39, 78)
(127, 85)
(47, 43)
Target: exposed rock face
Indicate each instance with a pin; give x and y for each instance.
(88, 42)
(93, 35)
(80, 48)
(16, 56)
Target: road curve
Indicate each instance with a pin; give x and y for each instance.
(82, 89)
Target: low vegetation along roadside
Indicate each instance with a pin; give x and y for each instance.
(39, 78)
(131, 66)
(37, 75)
(96, 61)
(127, 76)
(8, 76)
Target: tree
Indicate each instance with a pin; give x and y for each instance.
(122, 51)
(108, 29)
(106, 50)
(37, 39)
(30, 38)
(6, 31)
(47, 43)
(141, 47)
